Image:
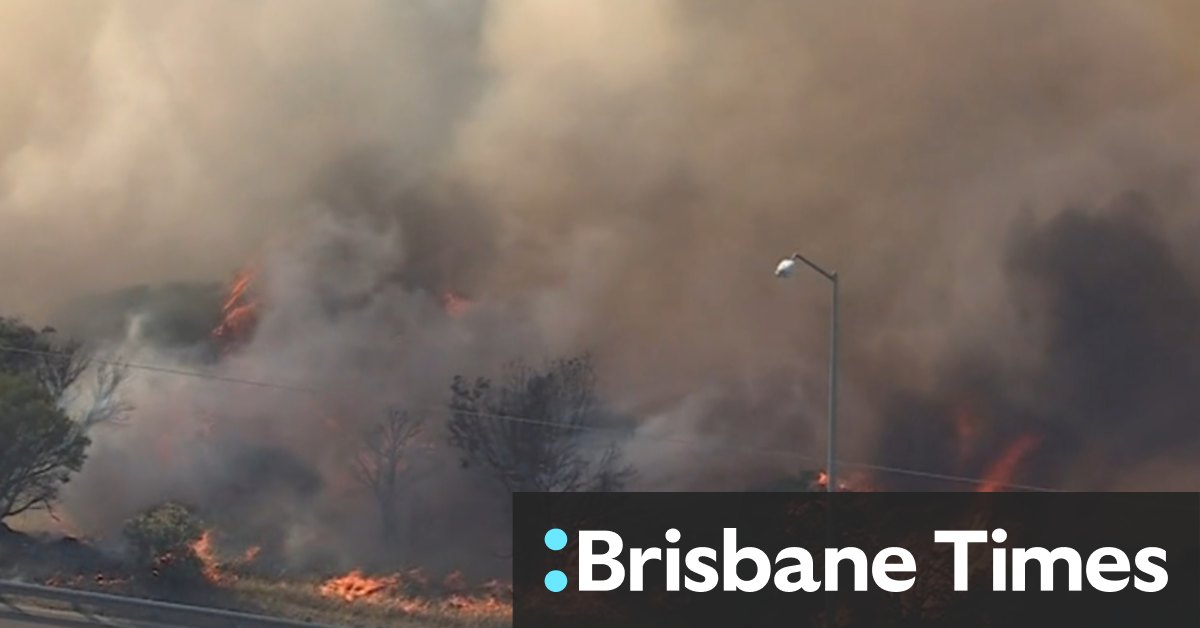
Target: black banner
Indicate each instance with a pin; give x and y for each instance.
(856, 559)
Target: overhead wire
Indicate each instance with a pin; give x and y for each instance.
(879, 468)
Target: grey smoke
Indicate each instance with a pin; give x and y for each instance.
(613, 177)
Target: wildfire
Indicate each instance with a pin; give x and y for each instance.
(203, 549)
(408, 594)
(1002, 471)
(251, 553)
(354, 586)
(455, 305)
(487, 606)
(239, 313)
(822, 482)
(454, 581)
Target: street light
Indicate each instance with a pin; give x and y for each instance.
(785, 269)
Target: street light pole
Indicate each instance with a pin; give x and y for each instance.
(785, 269)
(831, 451)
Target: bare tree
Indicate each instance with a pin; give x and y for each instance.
(531, 431)
(105, 404)
(57, 365)
(61, 367)
(381, 458)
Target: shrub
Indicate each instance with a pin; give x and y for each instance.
(161, 539)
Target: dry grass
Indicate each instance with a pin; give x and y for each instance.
(237, 586)
(303, 601)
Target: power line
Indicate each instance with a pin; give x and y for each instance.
(165, 369)
(950, 478)
(532, 421)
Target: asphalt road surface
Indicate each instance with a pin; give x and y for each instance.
(18, 623)
(27, 617)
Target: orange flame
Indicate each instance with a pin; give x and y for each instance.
(251, 554)
(859, 484)
(487, 606)
(355, 586)
(455, 305)
(238, 289)
(203, 549)
(1002, 471)
(494, 599)
(239, 312)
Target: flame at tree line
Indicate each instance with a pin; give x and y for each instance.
(1004, 469)
(239, 311)
(1000, 472)
(241, 306)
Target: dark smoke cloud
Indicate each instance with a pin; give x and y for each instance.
(1123, 351)
(1109, 310)
(620, 178)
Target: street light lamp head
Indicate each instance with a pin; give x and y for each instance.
(787, 268)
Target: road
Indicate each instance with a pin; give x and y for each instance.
(23, 605)
(27, 617)
(18, 623)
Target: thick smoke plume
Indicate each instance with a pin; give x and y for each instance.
(617, 178)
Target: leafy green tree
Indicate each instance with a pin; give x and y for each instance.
(39, 446)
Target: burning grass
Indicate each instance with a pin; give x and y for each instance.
(355, 586)
(203, 549)
(234, 580)
(390, 606)
(352, 599)
(410, 595)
